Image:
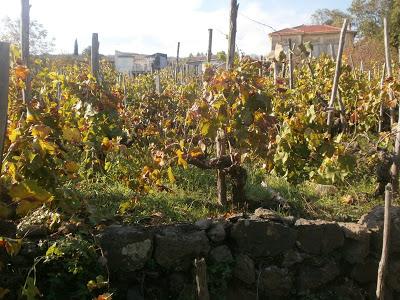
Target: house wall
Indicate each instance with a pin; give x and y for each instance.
(320, 42)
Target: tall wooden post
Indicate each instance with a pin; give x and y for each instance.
(290, 57)
(394, 171)
(25, 22)
(201, 279)
(381, 110)
(232, 35)
(389, 72)
(177, 62)
(95, 55)
(337, 73)
(210, 38)
(4, 82)
(383, 264)
(76, 50)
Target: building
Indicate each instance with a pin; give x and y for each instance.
(133, 63)
(199, 63)
(324, 38)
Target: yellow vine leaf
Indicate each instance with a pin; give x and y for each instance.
(41, 131)
(72, 135)
(181, 161)
(171, 176)
(21, 72)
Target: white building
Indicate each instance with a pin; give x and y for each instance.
(134, 63)
(324, 38)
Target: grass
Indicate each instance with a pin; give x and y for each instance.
(193, 197)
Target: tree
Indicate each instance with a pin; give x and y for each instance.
(394, 19)
(221, 56)
(332, 17)
(39, 40)
(87, 51)
(368, 16)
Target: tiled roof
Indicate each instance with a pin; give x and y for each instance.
(310, 29)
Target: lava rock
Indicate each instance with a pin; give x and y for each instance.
(216, 233)
(374, 222)
(365, 272)
(318, 236)
(275, 281)
(244, 269)
(258, 238)
(126, 248)
(176, 246)
(312, 277)
(221, 254)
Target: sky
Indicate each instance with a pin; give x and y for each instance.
(150, 26)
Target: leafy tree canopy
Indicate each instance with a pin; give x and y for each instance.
(40, 42)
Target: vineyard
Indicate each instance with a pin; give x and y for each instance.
(90, 150)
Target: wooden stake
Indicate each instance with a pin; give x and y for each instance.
(4, 83)
(157, 84)
(25, 24)
(380, 287)
(290, 57)
(232, 34)
(388, 60)
(381, 110)
(177, 62)
(95, 56)
(210, 38)
(337, 73)
(221, 177)
(201, 279)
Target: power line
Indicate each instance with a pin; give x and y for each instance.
(258, 22)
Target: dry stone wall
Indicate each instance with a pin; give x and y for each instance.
(259, 256)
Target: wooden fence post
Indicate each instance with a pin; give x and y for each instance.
(232, 35)
(337, 73)
(388, 60)
(25, 22)
(4, 82)
(157, 84)
(290, 57)
(380, 287)
(95, 56)
(381, 110)
(210, 38)
(177, 62)
(201, 279)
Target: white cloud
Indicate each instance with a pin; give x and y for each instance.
(153, 25)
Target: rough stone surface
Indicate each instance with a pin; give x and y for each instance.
(365, 272)
(318, 236)
(312, 277)
(236, 292)
(374, 221)
(221, 254)
(216, 233)
(176, 246)
(126, 248)
(325, 190)
(203, 224)
(262, 239)
(293, 257)
(244, 269)
(276, 281)
(134, 294)
(393, 277)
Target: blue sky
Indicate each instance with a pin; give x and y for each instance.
(148, 26)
